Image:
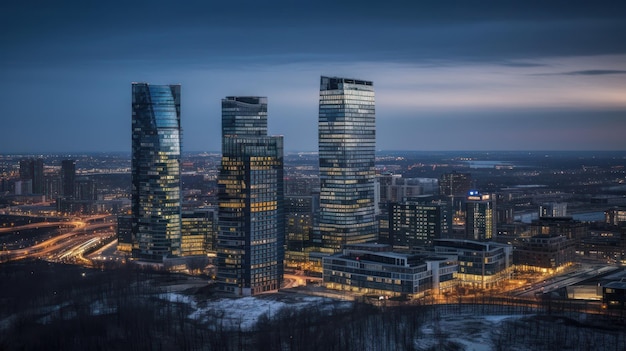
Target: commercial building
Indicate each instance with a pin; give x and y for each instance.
(455, 184)
(614, 295)
(125, 233)
(545, 253)
(564, 226)
(347, 137)
(553, 209)
(373, 269)
(616, 216)
(481, 264)
(68, 177)
(394, 188)
(251, 233)
(32, 169)
(155, 174)
(198, 232)
(415, 224)
(480, 216)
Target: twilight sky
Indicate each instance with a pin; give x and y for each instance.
(448, 75)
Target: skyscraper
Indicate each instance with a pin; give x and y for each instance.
(480, 216)
(156, 191)
(347, 140)
(68, 177)
(32, 169)
(250, 242)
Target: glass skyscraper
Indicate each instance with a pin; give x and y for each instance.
(347, 141)
(250, 242)
(156, 190)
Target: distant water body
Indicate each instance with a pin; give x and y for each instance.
(584, 217)
(488, 164)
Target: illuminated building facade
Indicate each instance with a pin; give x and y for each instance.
(547, 253)
(373, 269)
(347, 138)
(251, 233)
(156, 190)
(197, 232)
(481, 264)
(480, 216)
(415, 225)
(124, 233)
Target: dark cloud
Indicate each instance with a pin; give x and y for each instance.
(66, 66)
(594, 72)
(587, 72)
(213, 32)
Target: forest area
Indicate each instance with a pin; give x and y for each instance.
(63, 307)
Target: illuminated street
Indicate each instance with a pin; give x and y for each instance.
(66, 247)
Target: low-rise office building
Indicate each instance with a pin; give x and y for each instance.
(545, 253)
(481, 264)
(373, 269)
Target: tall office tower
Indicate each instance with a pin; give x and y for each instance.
(68, 177)
(32, 169)
(251, 232)
(85, 189)
(156, 190)
(480, 216)
(347, 140)
(414, 224)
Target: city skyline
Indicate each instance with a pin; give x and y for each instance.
(450, 76)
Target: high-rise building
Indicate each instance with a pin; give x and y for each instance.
(251, 233)
(68, 177)
(347, 138)
(480, 216)
(197, 232)
(32, 169)
(85, 189)
(416, 224)
(455, 187)
(156, 190)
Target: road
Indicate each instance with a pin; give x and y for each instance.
(65, 247)
(558, 282)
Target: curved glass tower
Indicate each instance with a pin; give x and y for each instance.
(347, 141)
(156, 191)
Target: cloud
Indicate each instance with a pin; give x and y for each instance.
(522, 64)
(593, 72)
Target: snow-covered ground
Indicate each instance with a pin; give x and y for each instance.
(243, 313)
(470, 332)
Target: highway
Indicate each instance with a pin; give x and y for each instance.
(65, 247)
(560, 281)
